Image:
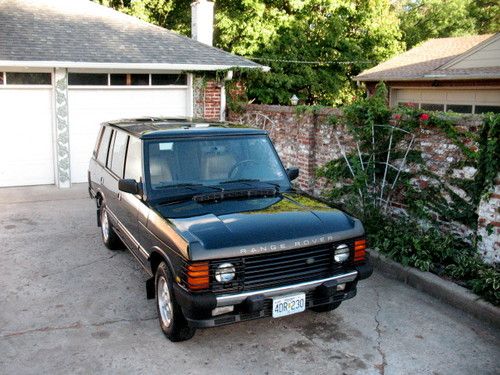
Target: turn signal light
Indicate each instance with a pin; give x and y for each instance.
(197, 276)
(359, 250)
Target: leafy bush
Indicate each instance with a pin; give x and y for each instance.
(416, 240)
(428, 249)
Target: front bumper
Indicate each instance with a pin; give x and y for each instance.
(197, 308)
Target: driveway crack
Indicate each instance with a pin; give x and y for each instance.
(380, 367)
(76, 325)
(80, 265)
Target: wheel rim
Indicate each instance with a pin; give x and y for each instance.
(105, 225)
(164, 302)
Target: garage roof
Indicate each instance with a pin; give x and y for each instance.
(81, 33)
(433, 59)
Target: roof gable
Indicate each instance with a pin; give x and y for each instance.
(83, 32)
(484, 55)
(428, 61)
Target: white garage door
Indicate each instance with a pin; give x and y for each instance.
(26, 153)
(90, 107)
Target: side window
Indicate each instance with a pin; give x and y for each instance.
(118, 158)
(102, 152)
(133, 166)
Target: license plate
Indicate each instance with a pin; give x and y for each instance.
(288, 305)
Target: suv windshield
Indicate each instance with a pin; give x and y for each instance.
(212, 162)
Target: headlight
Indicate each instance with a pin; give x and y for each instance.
(341, 253)
(225, 273)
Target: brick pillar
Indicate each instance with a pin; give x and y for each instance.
(212, 101)
(207, 99)
(489, 225)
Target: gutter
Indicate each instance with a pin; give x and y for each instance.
(126, 66)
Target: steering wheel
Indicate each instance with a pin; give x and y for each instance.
(235, 169)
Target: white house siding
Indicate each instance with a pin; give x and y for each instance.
(26, 147)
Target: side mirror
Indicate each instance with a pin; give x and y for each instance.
(292, 172)
(128, 185)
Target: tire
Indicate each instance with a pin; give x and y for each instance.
(172, 321)
(109, 237)
(326, 308)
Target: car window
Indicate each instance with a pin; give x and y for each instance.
(118, 158)
(133, 166)
(102, 152)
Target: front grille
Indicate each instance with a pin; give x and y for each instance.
(281, 268)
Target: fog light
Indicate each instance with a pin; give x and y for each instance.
(222, 310)
(341, 287)
(225, 273)
(341, 253)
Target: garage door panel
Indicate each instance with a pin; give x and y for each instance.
(88, 108)
(26, 148)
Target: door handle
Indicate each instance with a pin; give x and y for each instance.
(119, 196)
(102, 180)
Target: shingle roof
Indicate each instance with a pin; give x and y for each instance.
(82, 31)
(427, 61)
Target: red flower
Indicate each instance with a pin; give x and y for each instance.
(397, 116)
(424, 117)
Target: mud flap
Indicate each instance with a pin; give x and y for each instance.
(150, 288)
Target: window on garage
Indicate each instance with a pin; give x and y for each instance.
(129, 79)
(13, 78)
(459, 108)
(126, 79)
(2, 78)
(168, 79)
(88, 79)
(432, 107)
(487, 108)
(118, 157)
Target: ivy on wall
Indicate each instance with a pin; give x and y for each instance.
(420, 235)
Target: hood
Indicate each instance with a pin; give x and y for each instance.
(230, 228)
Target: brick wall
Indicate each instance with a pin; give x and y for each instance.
(489, 225)
(206, 99)
(308, 141)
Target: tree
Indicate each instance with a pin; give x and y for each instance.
(425, 19)
(312, 46)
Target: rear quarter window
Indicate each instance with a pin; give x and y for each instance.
(133, 166)
(118, 157)
(102, 151)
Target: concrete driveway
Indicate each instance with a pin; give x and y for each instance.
(69, 305)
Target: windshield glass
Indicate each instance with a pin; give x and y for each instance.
(222, 162)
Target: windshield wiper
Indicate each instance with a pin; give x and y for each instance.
(240, 180)
(277, 186)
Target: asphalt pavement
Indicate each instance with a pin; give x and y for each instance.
(69, 305)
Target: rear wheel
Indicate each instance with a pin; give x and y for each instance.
(109, 237)
(172, 322)
(325, 308)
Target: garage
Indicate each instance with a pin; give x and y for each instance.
(119, 96)
(459, 100)
(26, 148)
(67, 66)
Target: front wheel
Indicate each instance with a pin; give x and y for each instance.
(326, 308)
(172, 322)
(109, 237)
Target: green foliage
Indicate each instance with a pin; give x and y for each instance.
(417, 240)
(324, 32)
(425, 19)
(488, 156)
(428, 249)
